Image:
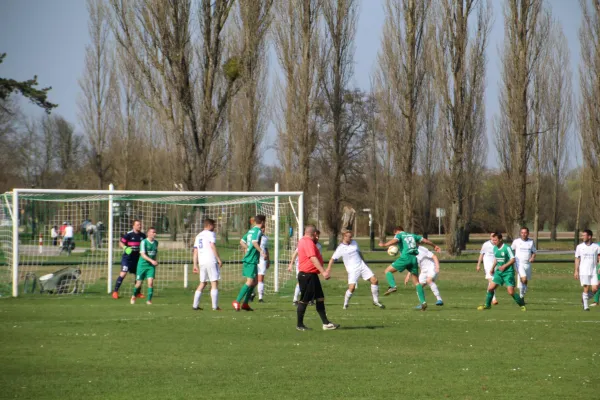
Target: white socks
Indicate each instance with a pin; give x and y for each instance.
(435, 290)
(296, 293)
(214, 295)
(522, 289)
(347, 298)
(197, 299)
(584, 296)
(261, 290)
(375, 293)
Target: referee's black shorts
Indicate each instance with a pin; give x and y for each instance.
(310, 287)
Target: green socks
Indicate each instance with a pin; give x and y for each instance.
(242, 293)
(248, 294)
(150, 293)
(488, 299)
(518, 299)
(421, 293)
(390, 278)
(597, 296)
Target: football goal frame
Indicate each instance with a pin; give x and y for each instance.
(226, 206)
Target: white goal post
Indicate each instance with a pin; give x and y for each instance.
(34, 258)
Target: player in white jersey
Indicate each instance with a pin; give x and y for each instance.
(587, 256)
(356, 267)
(295, 260)
(429, 267)
(487, 256)
(263, 265)
(525, 250)
(207, 256)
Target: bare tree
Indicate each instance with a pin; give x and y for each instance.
(181, 76)
(402, 65)
(379, 156)
(343, 128)
(297, 47)
(589, 108)
(475, 158)
(97, 90)
(558, 110)
(429, 151)
(526, 26)
(127, 118)
(247, 118)
(460, 77)
(540, 82)
(68, 149)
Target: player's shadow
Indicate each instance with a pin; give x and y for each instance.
(362, 327)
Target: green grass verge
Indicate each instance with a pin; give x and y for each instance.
(94, 347)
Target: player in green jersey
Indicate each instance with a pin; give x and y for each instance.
(251, 242)
(408, 244)
(146, 267)
(504, 273)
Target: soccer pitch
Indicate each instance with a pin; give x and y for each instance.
(94, 347)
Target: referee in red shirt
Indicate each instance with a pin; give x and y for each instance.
(310, 266)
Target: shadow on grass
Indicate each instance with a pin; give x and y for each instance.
(362, 327)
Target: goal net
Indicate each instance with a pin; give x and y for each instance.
(36, 257)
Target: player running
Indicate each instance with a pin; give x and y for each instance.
(525, 250)
(250, 241)
(207, 257)
(130, 243)
(146, 267)
(429, 266)
(587, 255)
(407, 244)
(504, 273)
(356, 267)
(487, 256)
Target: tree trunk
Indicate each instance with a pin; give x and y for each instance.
(578, 218)
(536, 195)
(554, 216)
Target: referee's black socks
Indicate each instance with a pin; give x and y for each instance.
(320, 306)
(300, 312)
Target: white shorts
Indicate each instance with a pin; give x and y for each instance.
(524, 270)
(361, 272)
(209, 272)
(427, 274)
(487, 267)
(261, 267)
(588, 280)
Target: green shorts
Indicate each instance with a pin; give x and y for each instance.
(144, 273)
(407, 262)
(249, 271)
(504, 278)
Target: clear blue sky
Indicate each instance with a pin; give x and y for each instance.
(48, 38)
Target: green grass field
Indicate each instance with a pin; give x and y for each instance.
(94, 347)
